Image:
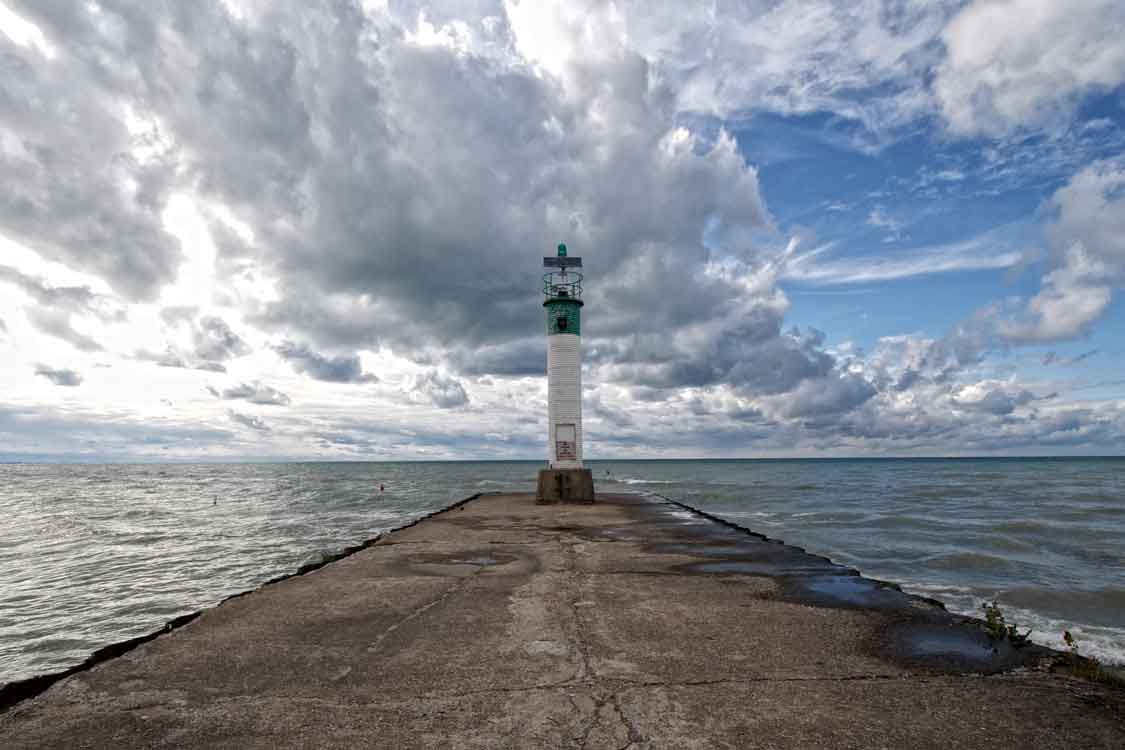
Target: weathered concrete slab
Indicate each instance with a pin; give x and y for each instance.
(628, 623)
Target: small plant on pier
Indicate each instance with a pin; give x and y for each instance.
(998, 629)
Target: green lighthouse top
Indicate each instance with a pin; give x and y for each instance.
(558, 282)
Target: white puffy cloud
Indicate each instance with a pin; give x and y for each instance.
(1025, 64)
(1086, 238)
(443, 391)
(862, 60)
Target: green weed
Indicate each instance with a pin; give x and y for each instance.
(998, 629)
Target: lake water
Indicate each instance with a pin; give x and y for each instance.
(95, 554)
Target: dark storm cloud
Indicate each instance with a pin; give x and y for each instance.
(248, 420)
(320, 367)
(520, 358)
(59, 376)
(255, 393)
(443, 391)
(82, 199)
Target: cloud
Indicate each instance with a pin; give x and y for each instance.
(519, 358)
(862, 60)
(171, 358)
(57, 323)
(327, 148)
(431, 271)
(614, 417)
(1032, 75)
(84, 199)
(247, 420)
(990, 250)
(179, 315)
(52, 432)
(443, 391)
(211, 342)
(1052, 358)
(74, 299)
(58, 306)
(320, 367)
(59, 376)
(996, 401)
(214, 340)
(1086, 242)
(293, 149)
(255, 393)
(878, 218)
(827, 396)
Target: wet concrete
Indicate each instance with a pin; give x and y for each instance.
(631, 623)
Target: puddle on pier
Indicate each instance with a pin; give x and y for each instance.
(848, 591)
(954, 646)
(482, 561)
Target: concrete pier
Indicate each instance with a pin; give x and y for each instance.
(629, 623)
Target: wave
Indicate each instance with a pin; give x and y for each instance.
(633, 480)
(972, 562)
(1106, 643)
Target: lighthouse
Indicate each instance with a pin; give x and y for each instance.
(564, 479)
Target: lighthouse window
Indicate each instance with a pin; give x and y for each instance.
(562, 324)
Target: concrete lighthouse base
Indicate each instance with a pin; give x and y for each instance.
(565, 486)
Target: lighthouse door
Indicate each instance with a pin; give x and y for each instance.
(566, 443)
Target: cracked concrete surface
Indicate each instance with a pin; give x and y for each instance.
(626, 624)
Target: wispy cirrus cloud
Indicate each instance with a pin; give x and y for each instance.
(821, 267)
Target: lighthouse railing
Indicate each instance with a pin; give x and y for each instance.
(559, 284)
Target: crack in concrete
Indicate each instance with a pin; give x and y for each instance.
(606, 700)
(419, 611)
(634, 735)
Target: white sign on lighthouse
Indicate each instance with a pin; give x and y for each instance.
(565, 479)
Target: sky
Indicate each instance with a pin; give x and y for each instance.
(239, 229)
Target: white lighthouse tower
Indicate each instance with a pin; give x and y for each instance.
(564, 479)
